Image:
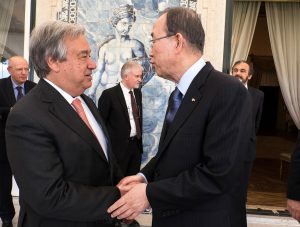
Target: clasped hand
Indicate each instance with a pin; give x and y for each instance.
(133, 199)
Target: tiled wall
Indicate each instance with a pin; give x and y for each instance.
(95, 15)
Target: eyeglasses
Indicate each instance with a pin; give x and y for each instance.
(21, 69)
(152, 41)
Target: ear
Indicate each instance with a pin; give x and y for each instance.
(249, 77)
(9, 69)
(180, 41)
(54, 65)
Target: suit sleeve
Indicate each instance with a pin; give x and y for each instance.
(41, 174)
(259, 111)
(294, 173)
(227, 137)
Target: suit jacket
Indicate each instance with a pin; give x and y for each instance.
(294, 173)
(257, 105)
(197, 176)
(60, 168)
(113, 109)
(8, 100)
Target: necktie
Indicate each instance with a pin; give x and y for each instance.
(20, 93)
(135, 113)
(173, 106)
(80, 111)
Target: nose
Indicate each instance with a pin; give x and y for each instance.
(91, 64)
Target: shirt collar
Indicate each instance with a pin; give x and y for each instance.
(67, 96)
(124, 88)
(189, 75)
(15, 84)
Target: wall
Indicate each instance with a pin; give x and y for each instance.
(95, 16)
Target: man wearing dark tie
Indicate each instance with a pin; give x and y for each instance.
(243, 70)
(57, 143)
(121, 109)
(197, 175)
(12, 89)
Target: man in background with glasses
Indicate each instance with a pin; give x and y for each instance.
(12, 89)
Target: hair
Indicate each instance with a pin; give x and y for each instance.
(186, 22)
(121, 12)
(126, 68)
(47, 41)
(251, 70)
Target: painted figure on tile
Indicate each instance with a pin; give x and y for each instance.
(118, 49)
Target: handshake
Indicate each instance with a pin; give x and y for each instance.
(133, 199)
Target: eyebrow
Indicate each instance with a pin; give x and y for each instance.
(84, 52)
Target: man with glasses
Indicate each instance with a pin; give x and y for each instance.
(11, 90)
(197, 176)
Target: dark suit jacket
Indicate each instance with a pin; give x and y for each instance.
(257, 105)
(60, 168)
(7, 100)
(112, 106)
(197, 176)
(294, 173)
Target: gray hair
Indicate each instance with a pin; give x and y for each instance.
(126, 68)
(187, 22)
(47, 40)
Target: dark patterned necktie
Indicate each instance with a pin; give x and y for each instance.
(20, 93)
(136, 116)
(173, 106)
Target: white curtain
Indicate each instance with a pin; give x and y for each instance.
(243, 26)
(6, 10)
(284, 30)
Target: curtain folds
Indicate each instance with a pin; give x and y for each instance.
(6, 10)
(284, 31)
(243, 26)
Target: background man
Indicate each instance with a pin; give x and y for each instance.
(57, 143)
(11, 90)
(243, 71)
(121, 109)
(197, 176)
(293, 194)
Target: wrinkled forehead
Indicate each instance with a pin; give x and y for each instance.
(160, 26)
(242, 66)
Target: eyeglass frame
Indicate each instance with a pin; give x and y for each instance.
(20, 69)
(152, 41)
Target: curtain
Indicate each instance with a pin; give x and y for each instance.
(243, 26)
(284, 31)
(6, 10)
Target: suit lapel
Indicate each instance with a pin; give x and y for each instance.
(62, 110)
(122, 101)
(188, 104)
(9, 90)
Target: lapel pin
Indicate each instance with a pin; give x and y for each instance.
(193, 100)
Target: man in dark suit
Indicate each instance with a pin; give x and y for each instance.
(57, 143)
(197, 176)
(12, 89)
(293, 193)
(243, 70)
(117, 107)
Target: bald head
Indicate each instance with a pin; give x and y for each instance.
(18, 69)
